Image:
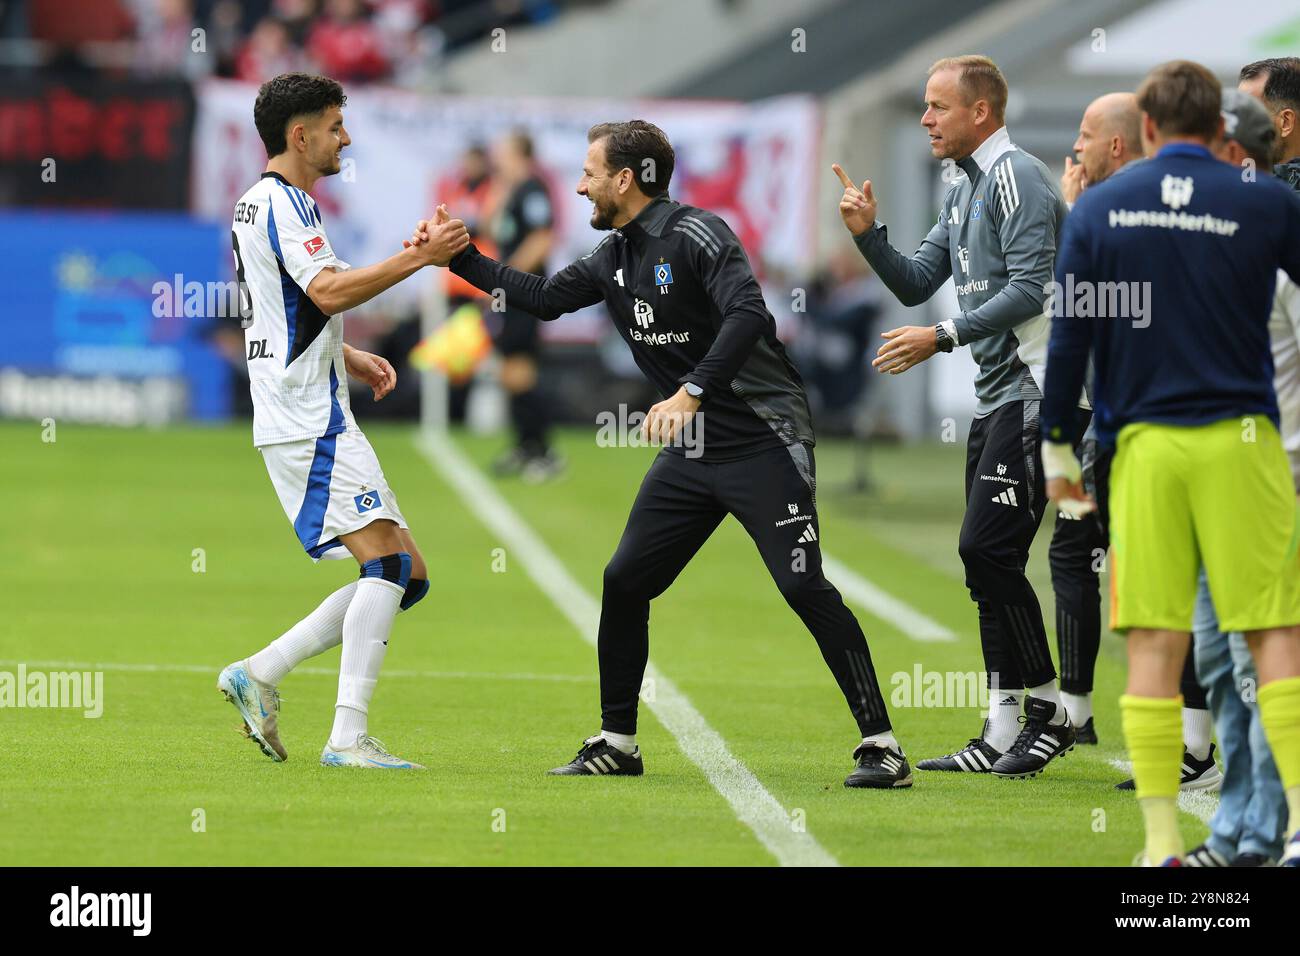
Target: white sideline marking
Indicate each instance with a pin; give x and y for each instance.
(1198, 803)
(319, 671)
(753, 804)
(907, 619)
(215, 668)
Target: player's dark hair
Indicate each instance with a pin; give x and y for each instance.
(289, 95)
(1183, 99)
(641, 147)
(1282, 83)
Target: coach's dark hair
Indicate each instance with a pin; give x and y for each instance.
(289, 95)
(1282, 82)
(641, 147)
(1183, 99)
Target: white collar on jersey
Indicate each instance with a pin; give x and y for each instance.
(987, 153)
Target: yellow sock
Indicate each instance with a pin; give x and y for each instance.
(1153, 730)
(1160, 814)
(1279, 711)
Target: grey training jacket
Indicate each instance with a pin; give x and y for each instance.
(996, 235)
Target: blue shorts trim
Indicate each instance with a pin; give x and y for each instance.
(311, 515)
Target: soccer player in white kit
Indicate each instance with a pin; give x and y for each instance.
(293, 292)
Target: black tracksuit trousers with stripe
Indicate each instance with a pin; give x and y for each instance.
(681, 502)
(1004, 505)
(1075, 556)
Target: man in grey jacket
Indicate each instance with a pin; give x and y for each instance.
(996, 237)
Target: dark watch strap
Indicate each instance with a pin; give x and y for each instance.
(942, 340)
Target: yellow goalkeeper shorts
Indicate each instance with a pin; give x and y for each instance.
(1219, 495)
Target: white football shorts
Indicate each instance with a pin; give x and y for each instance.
(328, 487)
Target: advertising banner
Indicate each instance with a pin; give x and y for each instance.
(754, 164)
(112, 320)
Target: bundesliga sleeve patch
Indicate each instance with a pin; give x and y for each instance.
(314, 245)
(367, 501)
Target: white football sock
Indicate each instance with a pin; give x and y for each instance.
(1049, 693)
(887, 739)
(1004, 718)
(365, 641)
(1078, 706)
(623, 742)
(314, 634)
(349, 724)
(1197, 730)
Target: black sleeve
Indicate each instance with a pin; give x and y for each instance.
(719, 260)
(570, 289)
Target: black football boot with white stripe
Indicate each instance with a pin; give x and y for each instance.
(597, 758)
(1038, 743)
(882, 768)
(1203, 856)
(978, 756)
(1196, 774)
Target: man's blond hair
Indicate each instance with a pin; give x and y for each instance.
(978, 78)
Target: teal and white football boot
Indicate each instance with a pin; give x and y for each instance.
(366, 752)
(258, 704)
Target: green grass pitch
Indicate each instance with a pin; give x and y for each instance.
(486, 682)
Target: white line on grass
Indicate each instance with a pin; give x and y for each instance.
(1199, 803)
(320, 671)
(753, 804)
(214, 668)
(907, 619)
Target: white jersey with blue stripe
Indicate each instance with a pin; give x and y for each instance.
(294, 350)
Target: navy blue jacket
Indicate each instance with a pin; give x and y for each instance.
(1167, 273)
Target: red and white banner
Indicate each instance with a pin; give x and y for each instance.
(754, 164)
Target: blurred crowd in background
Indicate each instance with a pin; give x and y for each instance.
(108, 88)
(355, 41)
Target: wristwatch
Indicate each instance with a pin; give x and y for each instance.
(695, 391)
(942, 340)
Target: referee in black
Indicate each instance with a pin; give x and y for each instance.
(734, 422)
(522, 229)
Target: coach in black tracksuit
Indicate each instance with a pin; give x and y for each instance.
(680, 290)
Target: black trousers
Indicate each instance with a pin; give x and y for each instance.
(1004, 505)
(681, 502)
(1076, 555)
(515, 332)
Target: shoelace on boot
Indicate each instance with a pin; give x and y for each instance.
(370, 745)
(1033, 727)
